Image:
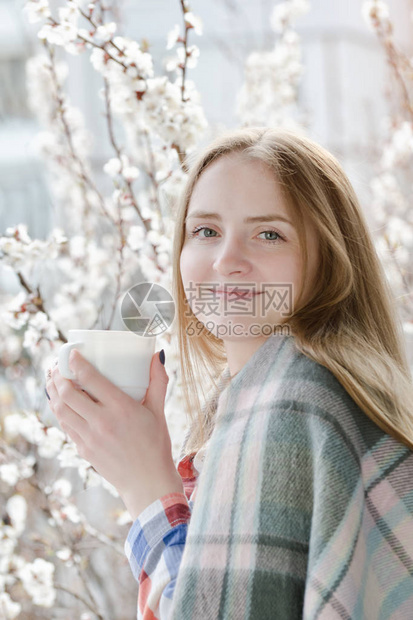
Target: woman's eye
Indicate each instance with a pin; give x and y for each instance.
(276, 237)
(272, 232)
(195, 232)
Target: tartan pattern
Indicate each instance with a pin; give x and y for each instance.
(304, 506)
(154, 548)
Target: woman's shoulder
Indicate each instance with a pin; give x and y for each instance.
(309, 388)
(283, 367)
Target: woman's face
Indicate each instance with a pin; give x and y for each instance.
(240, 263)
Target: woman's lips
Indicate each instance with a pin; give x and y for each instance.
(236, 293)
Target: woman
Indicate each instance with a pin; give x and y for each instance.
(301, 462)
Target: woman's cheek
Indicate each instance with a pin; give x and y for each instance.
(192, 268)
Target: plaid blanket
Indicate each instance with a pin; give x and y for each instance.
(303, 509)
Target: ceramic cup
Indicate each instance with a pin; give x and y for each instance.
(121, 356)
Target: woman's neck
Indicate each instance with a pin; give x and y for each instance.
(240, 351)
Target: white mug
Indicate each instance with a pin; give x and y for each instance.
(123, 357)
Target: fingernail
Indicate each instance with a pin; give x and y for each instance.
(47, 393)
(162, 357)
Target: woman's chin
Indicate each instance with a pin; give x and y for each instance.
(232, 329)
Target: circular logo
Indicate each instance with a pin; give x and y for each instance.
(147, 309)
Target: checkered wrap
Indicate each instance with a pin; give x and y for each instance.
(304, 508)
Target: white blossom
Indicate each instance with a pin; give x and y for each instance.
(18, 250)
(272, 77)
(64, 554)
(140, 63)
(286, 12)
(159, 108)
(71, 512)
(133, 54)
(8, 541)
(131, 173)
(68, 457)
(15, 312)
(36, 10)
(177, 123)
(39, 327)
(113, 167)
(374, 9)
(116, 166)
(66, 164)
(129, 213)
(16, 507)
(67, 556)
(62, 487)
(51, 443)
(398, 232)
(10, 347)
(10, 609)
(12, 472)
(153, 237)
(173, 37)
(26, 466)
(192, 54)
(75, 48)
(105, 33)
(194, 21)
(69, 13)
(400, 146)
(9, 473)
(136, 237)
(60, 34)
(19, 232)
(28, 426)
(37, 580)
(97, 59)
(164, 259)
(11, 425)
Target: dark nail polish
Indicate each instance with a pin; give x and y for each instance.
(47, 393)
(162, 357)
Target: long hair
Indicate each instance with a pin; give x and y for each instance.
(349, 323)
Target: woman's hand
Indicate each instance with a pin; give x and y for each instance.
(128, 443)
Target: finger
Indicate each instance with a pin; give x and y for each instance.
(79, 388)
(77, 439)
(68, 418)
(78, 400)
(48, 376)
(48, 372)
(70, 432)
(95, 400)
(96, 384)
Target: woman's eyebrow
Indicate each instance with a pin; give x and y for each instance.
(271, 217)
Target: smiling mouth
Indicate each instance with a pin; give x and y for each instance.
(236, 293)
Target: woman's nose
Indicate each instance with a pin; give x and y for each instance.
(231, 258)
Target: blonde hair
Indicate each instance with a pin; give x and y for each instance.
(349, 323)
